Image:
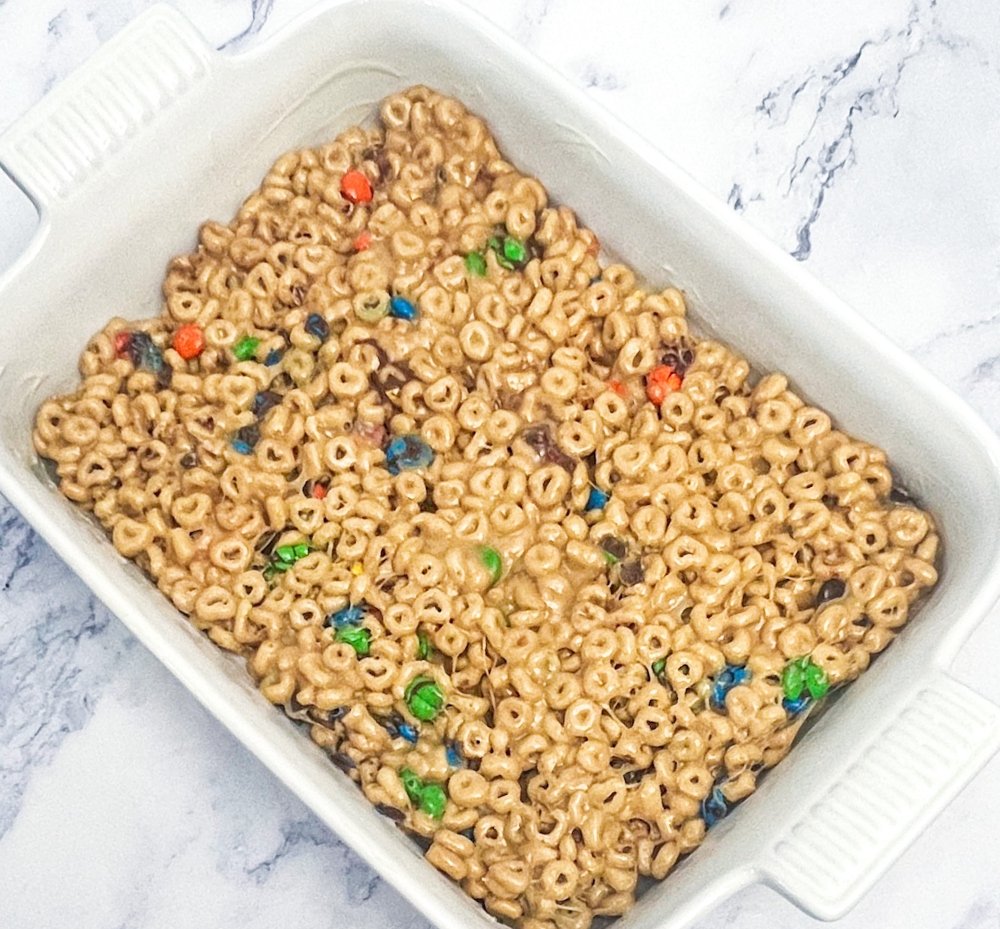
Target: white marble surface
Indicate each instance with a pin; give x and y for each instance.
(863, 136)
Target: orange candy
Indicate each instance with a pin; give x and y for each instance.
(363, 241)
(318, 491)
(660, 382)
(619, 388)
(354, 186)
(189, 341)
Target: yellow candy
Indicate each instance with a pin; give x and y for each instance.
(357, 569)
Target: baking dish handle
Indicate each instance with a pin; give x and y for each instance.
(842, 842)
(81, 124)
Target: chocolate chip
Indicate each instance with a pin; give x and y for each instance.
(378, 155)
(632, 573)
(345, 762)
(264, 402)
(397, 816)
(557, 456)
(249, 434)
(539, 438)
(613, 546)
(679, 355)
(189, 460)
(832, 589)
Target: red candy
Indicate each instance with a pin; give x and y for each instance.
(660, 382)
(319, 492)
(363, 241)
(189, 341)
(123, 340)
(354, 186)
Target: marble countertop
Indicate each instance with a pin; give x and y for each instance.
(862, 136)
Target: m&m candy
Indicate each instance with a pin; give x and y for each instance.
(401, 308)
(355, 187)
(189, 341)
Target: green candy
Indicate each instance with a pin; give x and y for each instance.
(817, 683)
(609, 558)
(424, 648)
(285, 557)
(357, 637)
(803, 674)
(424, 698)
(430, 798)
(793, 679)
(246, 348)
(492, 561)
(497, 246)
(433, 800)
(513, 249)
(658, 666)
(412, 785)
(476, 264)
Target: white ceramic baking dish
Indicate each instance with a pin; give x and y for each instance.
(159, 131)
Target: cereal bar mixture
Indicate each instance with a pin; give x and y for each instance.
(551, 578)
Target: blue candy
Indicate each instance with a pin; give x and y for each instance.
(317, 326)
(408, 732)
(714, 807)
(718, 700)
(348, 616)
(407, 452)
(242, 447)
(597, 500)
(452, 755)
(273, 357)
(401, 308)
(727, 679)
(794, 707)
(144, 352)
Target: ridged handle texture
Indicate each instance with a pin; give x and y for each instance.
(70, 135)
(914, 766)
